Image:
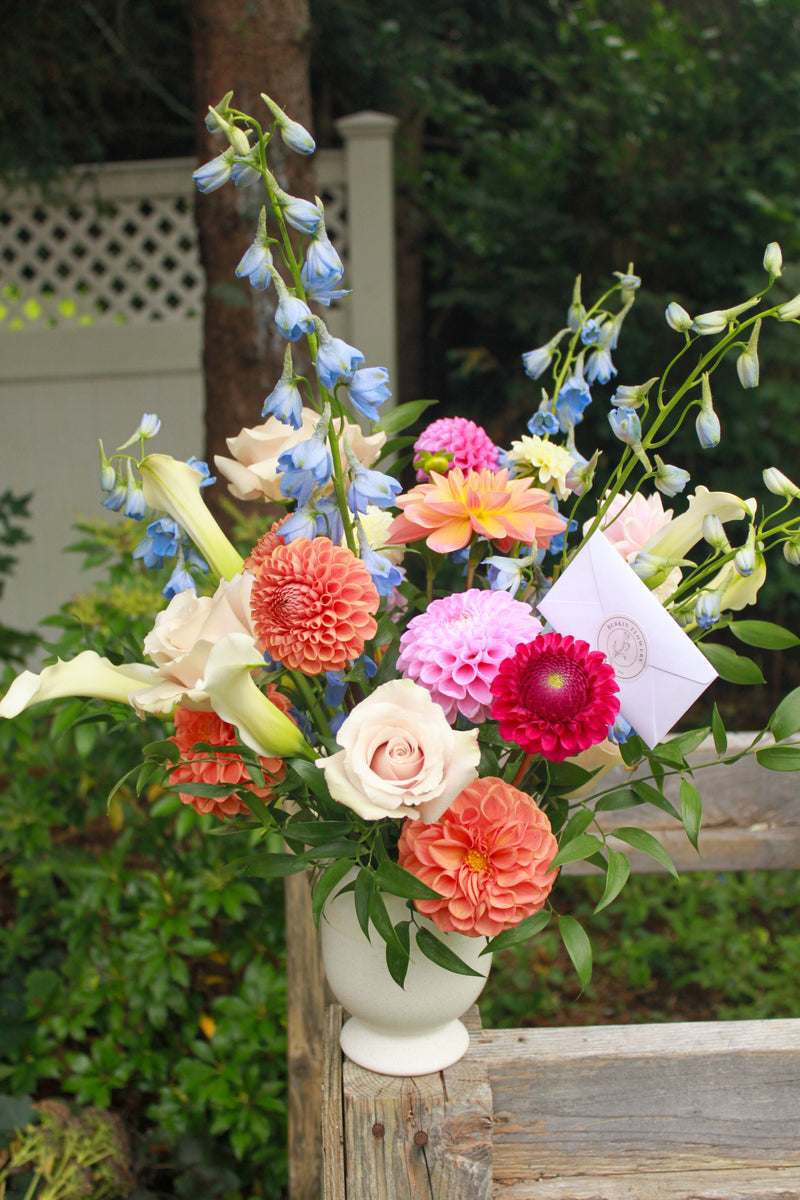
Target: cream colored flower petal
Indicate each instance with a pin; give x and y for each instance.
(86, 675)
(174, 487)
(676, 538)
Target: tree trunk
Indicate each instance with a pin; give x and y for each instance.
(250, 46)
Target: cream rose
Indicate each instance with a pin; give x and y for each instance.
(252, 472)
(400, 758)
(183, 636)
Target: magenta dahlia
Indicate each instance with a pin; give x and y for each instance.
(455, 647)
(555, 696)
(469, 445)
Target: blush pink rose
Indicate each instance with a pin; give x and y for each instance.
(252, 472)
(399, 757)
(185, 633)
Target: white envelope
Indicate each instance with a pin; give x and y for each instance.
(660, 672)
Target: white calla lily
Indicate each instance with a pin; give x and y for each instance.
(674, 540)
(174, 487)
(235, 698)
(86, 675)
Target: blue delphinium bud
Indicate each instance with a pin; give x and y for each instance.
(719, 320)
(293, 317)
(791, 551)
(543, 422)
(214, 174)
(322, 268)
(590, 331)
(790, 311)
(217, 115)
(335, 358)
(115, 499)
(108, 475)
(257, 259)
(621, 731)
(576, 312)
(536, 362)
(714, 533)
(707, 424)
(506, 574)
(747, 362)
(149, 426)
(180, 580)
(670, 480)
(368, 486)
(580, 476)
(295, 136)
(367, 390)
(628, 282)
(301, 214)
(652, 569)
(308, 464)
(678, 318)
(745, 560)
(202, 468)
(626, 425)
(247, 170)
(773, 260)
(599, 367)
(284, 401)
(707, 609)
(632, 395)
(779, 484)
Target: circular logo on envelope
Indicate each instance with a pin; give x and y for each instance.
(624, 644)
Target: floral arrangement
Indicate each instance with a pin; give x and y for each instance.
(372, 691)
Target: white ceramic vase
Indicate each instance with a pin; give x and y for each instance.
(413, 1030)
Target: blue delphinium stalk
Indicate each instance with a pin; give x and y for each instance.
(367, 390)
(284, 401)
(335, 358)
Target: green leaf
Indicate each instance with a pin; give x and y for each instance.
(718, 730)
(165, 749)
(310, 775)
(686, 743)
(435, 949)
(394, 879)
(315, 833)
(333, 875)
(520, 933)
(653, 796)
(786, 719)
(619, 868)
(779, 758)
(401, 416)
(380, 917)
(362, 893)
(578, 947)
(691, 811)
(669, 753)
(621, 798)
(763, 634)
(640, 839)
(581, 847)
(567, 777)
(632, 751)
(207, 790)
(398, 953)
(577, 824)
(729, 665)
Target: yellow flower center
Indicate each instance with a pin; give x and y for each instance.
(477, 860)
(555, 681)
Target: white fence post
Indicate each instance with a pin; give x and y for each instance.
(369, 169)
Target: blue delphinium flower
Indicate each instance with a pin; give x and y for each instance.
(556, 543)
(216, 173)
(335, 688)
(293, 317)
(543, 422)
(329, 519)
(295, 135)
(202, 468)
(308, 464)
(670, 480)
(323, 267)
(301, 524)
(284, 401)
(161, 541)
(383, 572)
(367, 390)
(247, 170)
(335, 358)
(573, 398)
(369, 487)
(707, 609)
(621, 731)
(626, 425)
(181, 580)
(590, 331)
(505, 574)
(135, 506)
(257, 259)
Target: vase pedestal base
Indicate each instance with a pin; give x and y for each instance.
(394, 1052)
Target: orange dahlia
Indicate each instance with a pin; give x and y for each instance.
(312, 604)
(447, 511)
(264, 546)
(488, 857)
(223, 766)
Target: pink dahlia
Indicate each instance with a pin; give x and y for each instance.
(312, 605)
(223, 766)
(455, 647)
(555, 697)
(630, 521)
(469, 445)
(488, 857)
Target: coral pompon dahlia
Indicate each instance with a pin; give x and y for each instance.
(488, 857)
(219, 767)
(447, 511)
(555, 696)
(312, 604)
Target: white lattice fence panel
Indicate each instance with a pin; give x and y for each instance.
(108, 262)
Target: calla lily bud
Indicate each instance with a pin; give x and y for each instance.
(773, 260)
(719, 320)
(632, 395)
(707, 423)
(678, 318)
(576, 313)
(789, 311)
(670, 480)
(714, 532)
(779, 484)
(707, 609)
